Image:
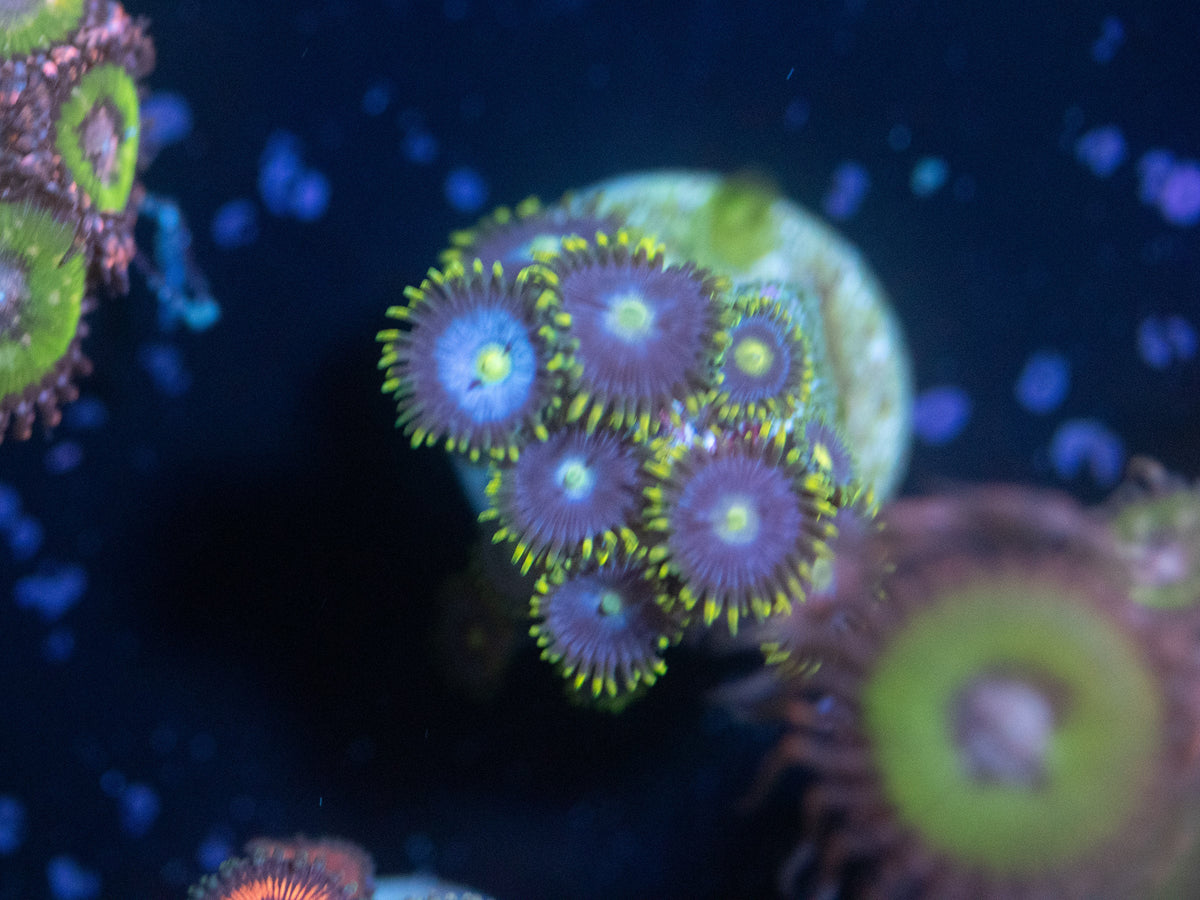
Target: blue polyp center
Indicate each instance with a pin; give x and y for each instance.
(486, 364)
(753, 356)
(575, 477)
(629, 317)
(735, 519)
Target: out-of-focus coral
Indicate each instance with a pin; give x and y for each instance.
(327, 868)
(69, 121)
(1154, 518)
(69, 115)
(703, 331)
(424, 887)
(1000, 718)
(296, 868)
(42, 302)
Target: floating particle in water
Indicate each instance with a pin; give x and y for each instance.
(1101, 149)
(941, 413)
(1162, 340)
(53, 591)
(166, 119)
(86, 414)
(173, 276)
(164, 364)
(1112, 35)
(1153, 167)
(68, 880)
(1152, 344)
(795, 114)
(63, 457)
(928, 176)
(310, 196)
(1182, 337)
(1179, 197)
(25, 538)
(139, 808)
(419, 146)
(278, 168)
(377, 97)
(465, 190)
(847, 190)
(235, 224)
(10, 506)
(214, 850)
(12, 824)
(1044, 381)
(1087, 444)
(286, 185)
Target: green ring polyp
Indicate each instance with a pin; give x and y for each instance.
(40, 24)
(37, 242)
(1101, 753)
(1173, 517)
(113, 84)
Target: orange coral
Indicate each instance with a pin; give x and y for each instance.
(346, 861)
(297, 869)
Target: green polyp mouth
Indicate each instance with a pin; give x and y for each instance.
(753, 356)
(576, 478)
(493, 364)
(1090, 765)
(611, 603)
(735, 520)
(629, 317)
